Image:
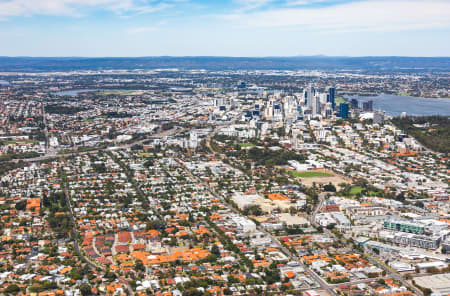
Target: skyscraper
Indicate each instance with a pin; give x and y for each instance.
(368, 106)
(315, 105)
(331, 94)
(310, 96)
(343, 110)
(328, 110)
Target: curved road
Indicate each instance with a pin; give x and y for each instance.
(77, 248)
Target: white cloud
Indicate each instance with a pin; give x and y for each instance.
(369, 15)
(24, 7)
(247, 5)
(139, 30)
(10, 8)
(306, 2)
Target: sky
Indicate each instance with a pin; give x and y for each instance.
(247, 28)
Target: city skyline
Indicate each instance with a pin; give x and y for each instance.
(250, 28)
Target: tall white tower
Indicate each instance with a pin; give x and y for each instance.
(316, 105)
(310, 96)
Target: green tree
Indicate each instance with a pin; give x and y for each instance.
(21, 205)
(85, 289)
(329, 187)
(12, 289)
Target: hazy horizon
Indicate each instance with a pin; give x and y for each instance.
(225, 56)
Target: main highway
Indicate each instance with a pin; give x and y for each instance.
(53, 155)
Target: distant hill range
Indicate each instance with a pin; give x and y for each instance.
(365, 64)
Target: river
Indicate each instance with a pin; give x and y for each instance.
(394, 105)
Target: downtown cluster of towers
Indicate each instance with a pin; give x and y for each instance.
(306, 105)
(319, 104)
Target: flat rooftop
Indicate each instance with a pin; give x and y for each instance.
(438, 283)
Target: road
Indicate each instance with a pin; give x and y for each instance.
(394, 275)
(318, 279)
(77, 247)
(75, 230)
(318, 207)
(369, 257)
(323, 285)
(123, 146)
(44, 121)
(68, 202)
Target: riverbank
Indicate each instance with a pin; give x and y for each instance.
(395, 105)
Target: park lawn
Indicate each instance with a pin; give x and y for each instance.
(310, 174)
(355, 190)
(247, 145)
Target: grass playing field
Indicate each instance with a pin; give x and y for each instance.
(310, 174)
(247, 145)
(355, 190)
